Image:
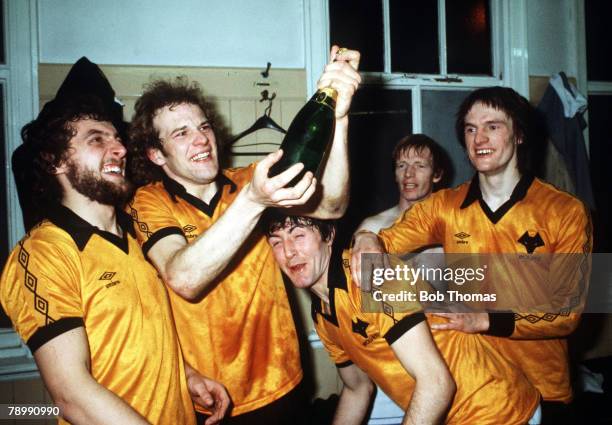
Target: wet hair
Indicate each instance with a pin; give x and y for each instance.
(515, 106)
(419, 142)
(46, 143)
(274, 220)
(142, 133)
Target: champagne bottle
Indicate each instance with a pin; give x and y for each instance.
(310, 134)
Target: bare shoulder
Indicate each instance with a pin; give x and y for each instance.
(381, 220)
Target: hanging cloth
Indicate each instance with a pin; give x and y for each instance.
(563, 107)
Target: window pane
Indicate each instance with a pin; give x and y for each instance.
(600, 146)
(414, 36)
(378, 119)
(468, 37)
(598, 36)
(439, 108)
(358, 24)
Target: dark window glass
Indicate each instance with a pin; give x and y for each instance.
(378, 119)
(600, 146)
(358, 24)
(598, 36)
(468, 37)
(414, 36)
(438, 109)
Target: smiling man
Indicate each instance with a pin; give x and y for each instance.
(504, 209)
(395, 349)
(419, 167)
(197, 226)
(79, 291)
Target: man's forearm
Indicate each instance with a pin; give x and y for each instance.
(89, 403)
(352, 407)
(193, 267)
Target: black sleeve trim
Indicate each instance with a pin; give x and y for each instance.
(344, 364)
(160, 234)
(403, 326)
(501, 324)
(50, 331)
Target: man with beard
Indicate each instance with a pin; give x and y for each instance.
(80, 293)
(196, 224)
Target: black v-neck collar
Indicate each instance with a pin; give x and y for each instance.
(474, 194)
(336, 279)
(175, 189)
(81, 231)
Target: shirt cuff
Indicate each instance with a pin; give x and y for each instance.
(501, 324)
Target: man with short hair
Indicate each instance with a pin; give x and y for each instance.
(504, 209)
(395, 348)
(196, 225)
(80, 293)
(420, 165)
(419, 168)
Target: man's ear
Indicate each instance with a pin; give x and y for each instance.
(60, 168)
(156, 156)
(518, 140)
(438, 177)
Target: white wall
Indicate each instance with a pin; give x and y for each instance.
(551, 36)
(225, 33)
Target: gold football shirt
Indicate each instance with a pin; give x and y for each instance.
(489, 389)
(66, 274)
(537, 218)
(241, 332)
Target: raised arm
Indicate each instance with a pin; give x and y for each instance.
(355, 397)
(341, 74)
(64, 366)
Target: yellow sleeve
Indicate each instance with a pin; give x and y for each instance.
(393, 325)
(570, 272)
(416, 228)
(40, 290)
(153, 217)
(334, 349)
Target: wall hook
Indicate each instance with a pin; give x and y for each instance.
(266, 73)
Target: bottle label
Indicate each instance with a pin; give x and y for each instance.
(326, 96)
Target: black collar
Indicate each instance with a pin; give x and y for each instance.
(175, 189)
(336, 279)
(518, 194)
(81, 231)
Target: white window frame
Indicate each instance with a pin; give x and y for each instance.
(509, 39)
(20, 78)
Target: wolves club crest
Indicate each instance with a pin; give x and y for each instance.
(359, 327)
(531, 242)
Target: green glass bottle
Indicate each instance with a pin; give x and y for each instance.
(310, 134)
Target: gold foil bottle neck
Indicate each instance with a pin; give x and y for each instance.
(327, 92)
